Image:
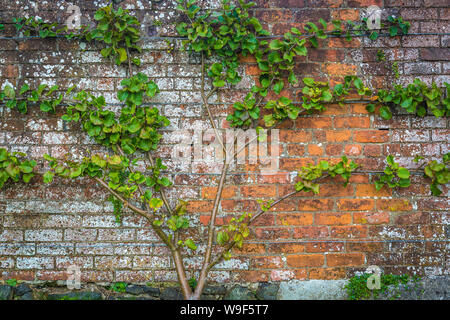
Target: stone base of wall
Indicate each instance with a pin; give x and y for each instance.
(437, 288)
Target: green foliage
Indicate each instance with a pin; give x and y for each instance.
(398, 26)
(265, 205)
(317, 32)
(417, 98)
(439, 173)
(231, 31)
(389, 283)
(118, 208)
(282, 108)
(36, 26)
(119, 287)
(135, 129)
(395, 26)
(48, 98)
(119, 31)
(14, 167)
(245, 113)
(234, 232)
(393, 176)
(192, 283)
(381, 57)
(221, 34)
(11, 282)
(310, 173)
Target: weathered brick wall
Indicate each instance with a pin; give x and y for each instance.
(45, 228)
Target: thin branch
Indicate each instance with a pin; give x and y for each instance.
(206, 104)
(161, 190)
(124, 201)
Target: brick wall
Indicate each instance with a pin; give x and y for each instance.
(45, 228)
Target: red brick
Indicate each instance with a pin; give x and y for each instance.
(227, 193)
(295, 219)
(355, 204)
(371, 136)
(348, 231)
(305, 260)
(311, 232)
(394, 205)
(338, 135)
(258, 191)
(327, 273)
(331, 218)
(352, 122)
(287, 247)
(344, 259)
(371, 217)
(353, 150)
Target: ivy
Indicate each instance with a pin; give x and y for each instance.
(439, 173)
(308, 174)
(14, 167)
(137, 126)
(222, 34)
(395, 26)
(119, 31)
(119, 287)
(417, 98)
(35, 26)
(393, 176)
(234, 232)
(118, 208)
(48, 98)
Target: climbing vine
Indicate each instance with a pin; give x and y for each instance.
(134, 179)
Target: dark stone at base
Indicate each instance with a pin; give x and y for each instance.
(6, 292)
(75, 296)
(171, 294)
(122, 297)
(437, 288)
(214, 290)
(239, 293)
(136, 290)
(267, 291)
(27, 296)
(154, 292)
(22, 289)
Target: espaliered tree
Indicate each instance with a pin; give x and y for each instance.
(132, 175)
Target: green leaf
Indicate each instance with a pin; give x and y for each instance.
(393, 31)
(308, 81)
(385, 113)
(218, 83)
(403, 173)
(27, 177)
(276, 44)
(278, 86)
(48, 176)
(24, 89)
(9, 92)
(216, 69)
(190, 244)
(370, 108)
(122, 54)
